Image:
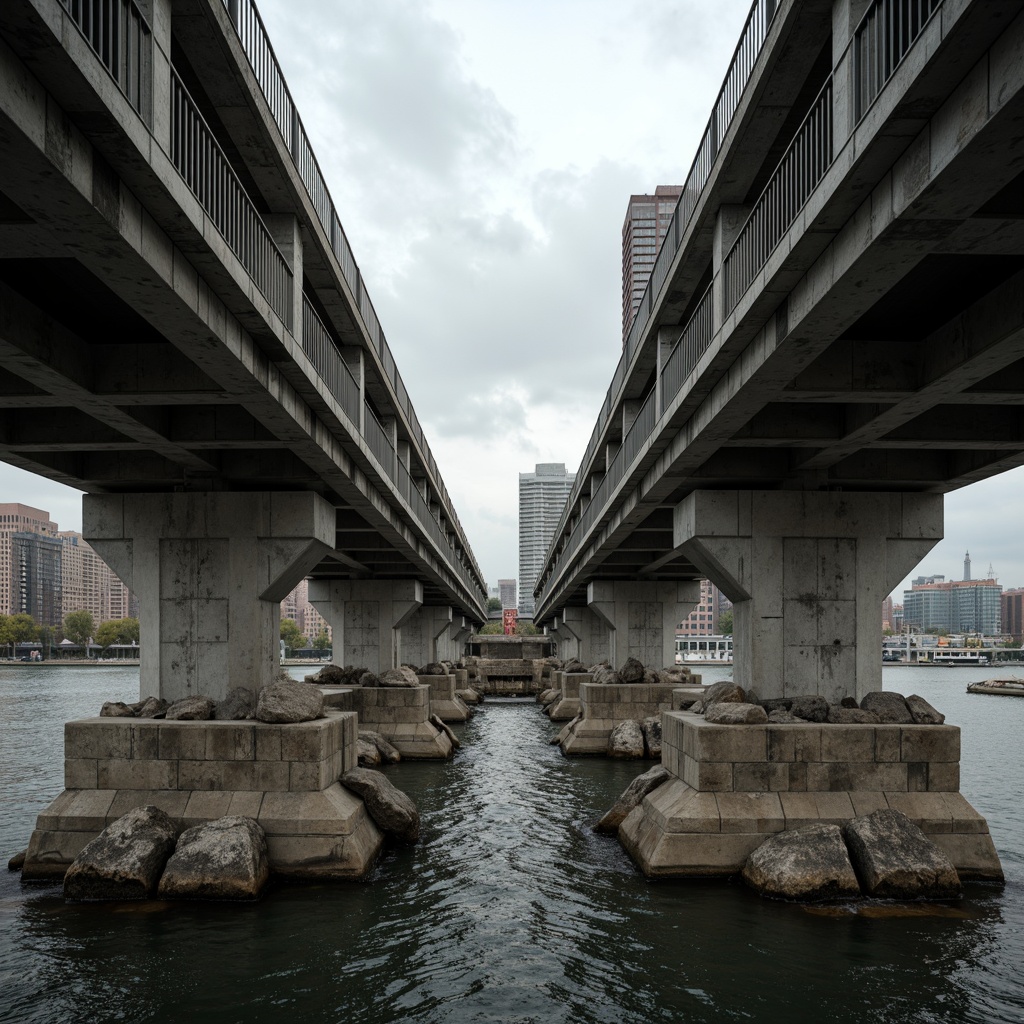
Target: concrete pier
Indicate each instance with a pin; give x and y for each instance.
(401, 714)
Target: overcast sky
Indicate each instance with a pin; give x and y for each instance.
(481, 154)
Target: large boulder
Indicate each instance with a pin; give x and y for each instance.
(728, 713)
(196, 708)
(923, 712)
(725, 692)
(652, 735)
(632, 671)
(891, 708)
(771, 704)
(367, 754)
(368, 679)
(780, 716)
(392, 810)
(388, 752)
(634, 794)
(807, 864)
(894, 859)
(403, 676)
(433, 668)
(574, 665)
(331, 675)
(151, 707)
(125, 860)
(225, 859)
(238, 705)
(839, 715)
(605, 675)
(626, 740)
(282, 703)
(811, 708)
(444, 727)
(116, 709)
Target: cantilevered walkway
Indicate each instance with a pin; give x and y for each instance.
(832, 337)
(185, 335)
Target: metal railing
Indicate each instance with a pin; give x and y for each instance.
(322, 351)
(882, 39)
(741, 66)
(259, 52)
(692, 344)
(804, 164)
(207, 172)
(121, 37)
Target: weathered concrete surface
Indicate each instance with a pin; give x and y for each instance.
(400, 714)
(602, 707)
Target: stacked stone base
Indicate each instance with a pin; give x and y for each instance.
(567, 707)
(603, 707)
(400, 714)
(509, 677)
(736, 785)
(283, 776)
(444, 701)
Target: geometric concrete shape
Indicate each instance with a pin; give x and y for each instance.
(444, 702)
(567, 707)
(603, 706)
(210, 571)
(748, 782)
(284, 776)
(806, 572)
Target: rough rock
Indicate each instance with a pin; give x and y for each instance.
(675, 675)
(807, 864)
(399, 677)
(125, 860)
(810, 708)
(434, 668)
(17, 862)
(891, 708)
(574, 665)
(116, 709)
(447, 730)
(726, 692)
(697, 707)
(652, 735)
(849, 702)
(238, 705)
(923, 712)
(633, 795)
(289, 702)
(632, 671)
(469, 695)
(780, 716)
(225, 859)
(894, 859)
(839, 715)
(606, 676)
(367, 753)
(728, 713)
(369, 679)
(389, 807)
(650, 677)
(152, 707)
(546, 696)
(771, 704)
(330, 675)
(191, 709)
(387, 751)
(626, 740)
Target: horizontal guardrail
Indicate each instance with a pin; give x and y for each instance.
(121, 37)
(259, 52)
(692, 344)
(330, 365)
(379, 443)
(803, 165)
(741, 66)
(208, 173)
(882, 39)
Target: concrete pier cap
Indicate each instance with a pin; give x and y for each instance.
(807, 572)
(210, 570)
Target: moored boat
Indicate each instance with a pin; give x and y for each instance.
(998, 687)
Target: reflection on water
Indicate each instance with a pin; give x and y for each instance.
(511, 909)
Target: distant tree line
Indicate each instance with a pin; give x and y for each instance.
(79, 627)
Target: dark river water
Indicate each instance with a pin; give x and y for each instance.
(511, 909)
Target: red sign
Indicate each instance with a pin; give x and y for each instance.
(509, 619)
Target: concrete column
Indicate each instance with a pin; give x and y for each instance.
(367, 617)
(158, 14)
(462, 630)
(404, 453)
(355, 359)
(807, 572)
(667, 338)
(287, 234)
(640, 618)
(567, 642)
(210, 571)
(425, 635)
(630, 410)
(728, 224)
(845, 16)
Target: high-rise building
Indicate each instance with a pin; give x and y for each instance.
(542, 497)
(703, 620)
(1013, 613)
(507, 593)
(644, 229)
(17, 518)
(296, 606)
(36, 577)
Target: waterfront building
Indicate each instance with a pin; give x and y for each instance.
(297, 607)
(89, 584)
(1012, 609)
(17, 518)
(647, 221)
(36, 577)
(703, 620)
(542, 497)
(953, 606)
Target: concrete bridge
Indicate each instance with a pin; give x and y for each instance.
(832, 337)
(186, 336)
